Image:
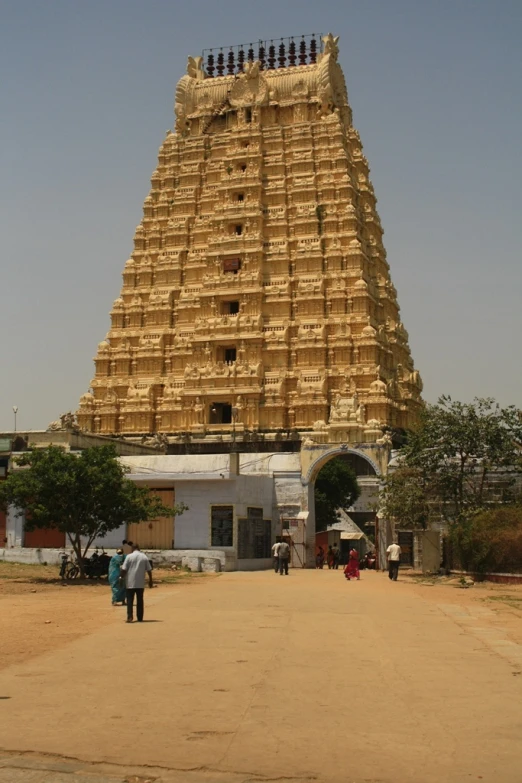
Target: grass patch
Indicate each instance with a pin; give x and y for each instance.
(29, 572)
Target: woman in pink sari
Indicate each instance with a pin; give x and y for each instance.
(352, 567)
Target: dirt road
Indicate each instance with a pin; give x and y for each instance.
(257, 676)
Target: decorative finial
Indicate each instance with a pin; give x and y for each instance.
(302, 52)
(271, 56)
(313, 50)
(291, 53)
(220, 63)
(261, 56)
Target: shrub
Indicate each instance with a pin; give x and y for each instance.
(490, 541)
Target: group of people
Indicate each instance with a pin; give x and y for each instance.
(352, 568)
(127, 571)
(332, 557)
(281, 556)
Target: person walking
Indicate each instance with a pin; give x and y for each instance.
(116, 580)
(336, 556)
(330, 557)
(319, 558)
(275, 555)
(394, 559)
(135, 566)
(284, 557)
(352, 567)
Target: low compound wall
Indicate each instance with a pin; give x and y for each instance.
(194, 559)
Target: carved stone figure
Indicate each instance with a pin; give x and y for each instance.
(66, 422)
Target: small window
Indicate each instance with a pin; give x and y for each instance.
(233, 308)
(222, 526)
(220, 413)
(248, 118)
(232, 265)
(243, 167)
(238, 230)
(240, 197)
(230, 308)
(230, 355)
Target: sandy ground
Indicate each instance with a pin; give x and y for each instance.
(260, 677)
(39, 613)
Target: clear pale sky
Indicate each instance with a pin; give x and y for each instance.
(86, 96)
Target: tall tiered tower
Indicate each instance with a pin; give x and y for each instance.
(257, 299)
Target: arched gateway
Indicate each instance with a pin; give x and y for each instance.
(369, 461)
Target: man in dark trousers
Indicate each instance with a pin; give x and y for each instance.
(394, 559)
(135, 566)
(284, 557)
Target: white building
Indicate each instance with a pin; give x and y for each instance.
(237, 504)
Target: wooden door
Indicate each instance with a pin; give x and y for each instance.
(156, 533)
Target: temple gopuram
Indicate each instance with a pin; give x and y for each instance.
(257, 301)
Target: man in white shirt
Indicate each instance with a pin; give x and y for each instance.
(394, 559)
(284, 556)
(275, 555)
(135, 566)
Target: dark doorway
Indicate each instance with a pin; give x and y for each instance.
(230, 308)
(230, 355)
(405, 541)
(220, 413)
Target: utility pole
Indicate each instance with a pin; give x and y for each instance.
(15, 411)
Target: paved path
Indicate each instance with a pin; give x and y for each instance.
(261, 677)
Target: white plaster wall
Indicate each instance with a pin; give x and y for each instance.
(112, 540)
(254, 491)
(165, 466)
(268, 464)
(14, 527)
(369, 494)
(192, 528)
(32, 556)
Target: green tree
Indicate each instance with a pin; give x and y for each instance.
(335, 487)
(406, 498)
(83, 495)
(462, 457)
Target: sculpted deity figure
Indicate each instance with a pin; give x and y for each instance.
(169, 391)
(344, 409)
(199, 409)
(360, 414)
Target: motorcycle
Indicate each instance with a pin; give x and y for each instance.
(94, 567)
